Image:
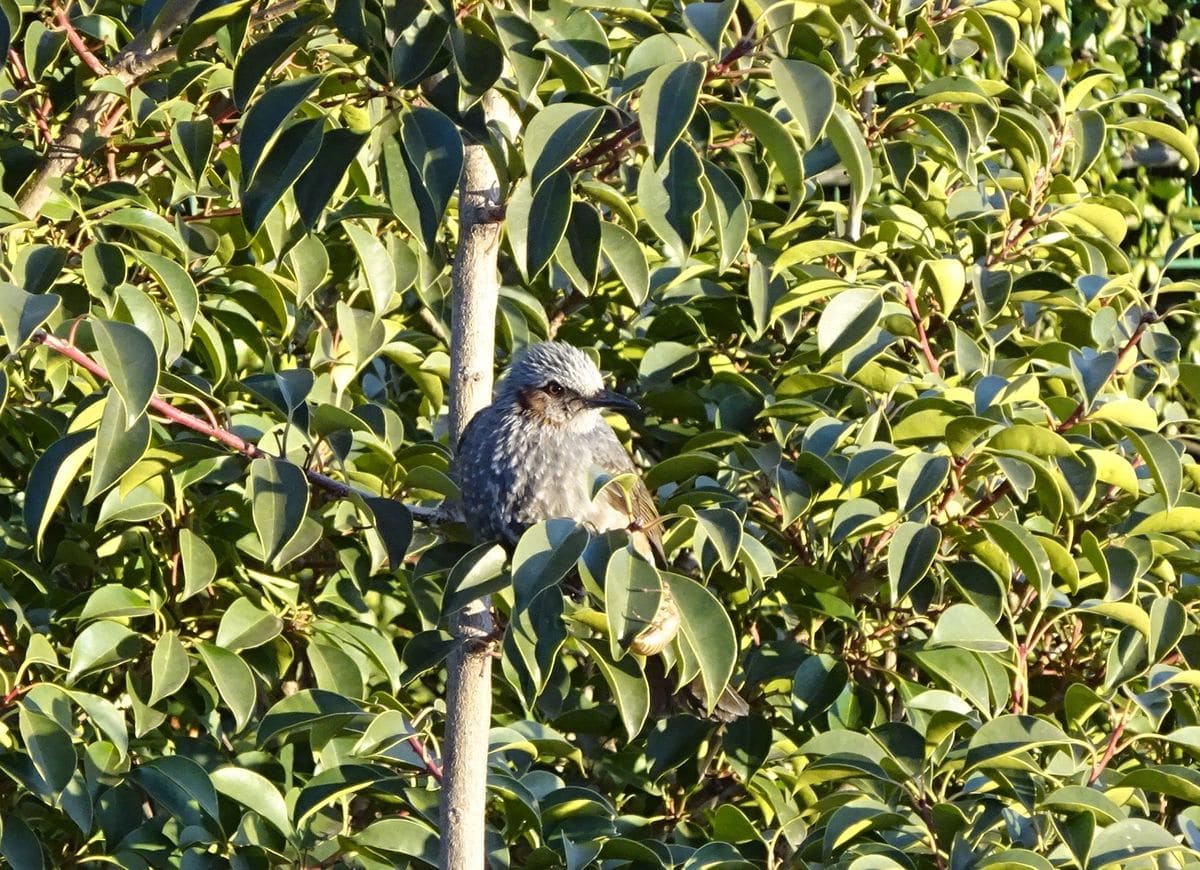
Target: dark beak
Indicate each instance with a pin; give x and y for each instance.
(614, 402)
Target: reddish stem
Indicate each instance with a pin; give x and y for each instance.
(435, 769)
(1110, 750)
(910, 297)
(78, 45)
(224, 436)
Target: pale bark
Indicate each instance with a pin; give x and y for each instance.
(476, 294)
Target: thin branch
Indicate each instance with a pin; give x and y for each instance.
(431, 765)
(1144, 321)
(910, 297)
(77, 44)
(1111, 749)
(234, 442)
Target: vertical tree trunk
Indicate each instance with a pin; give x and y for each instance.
(476, 291)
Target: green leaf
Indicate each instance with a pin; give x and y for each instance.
(1024, 551)
(119, 446)
(304, 711)
(727, 212)
(234, 681)
(847, 138)
(628, 686)
(1178, 519)
(1123, 843)
(101, 645)
(279, 500)
(668, 102)
(848, 317)
(433, 150)
(555, 135)
(178, 284)
(192, 142)
(670, 196)
(707, 628)
(724, 528)
(277, 172)
(1027, 438)
(22, 314)
(394, 526)
(169, 667)
(51, 477)
(148, 225)
(910, 556)
(919, 478)
(256, 793)
(407, 837)
(264, 119)
(536, 221)
(132, 364)
(180, 786)
(1166, 134)
(622, 249)
(478, 573)
(377, 267)
(245, 626)
(965, 626)
(203, 27)
(1168, 623)
(818, 682)
(1010, 735)
(1163, 462)
(49, 747)
(1092, 371)
(199, 563)
(318, 183)
(779, 144)
(116, 601)
(808, 92)
(334, 784)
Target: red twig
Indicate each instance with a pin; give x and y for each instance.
(910, 297)
(14, 61)
(1143, 322)
(435, 769)
(1111, 749)
(41, 114)
(1078, 414)
(78, 45)
(218, 213)
(189, 421)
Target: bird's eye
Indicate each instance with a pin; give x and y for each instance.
(554, 388)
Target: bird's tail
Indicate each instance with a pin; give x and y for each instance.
(661, 630)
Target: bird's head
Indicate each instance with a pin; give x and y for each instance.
(559, 385)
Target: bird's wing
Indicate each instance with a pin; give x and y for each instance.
(610, 455)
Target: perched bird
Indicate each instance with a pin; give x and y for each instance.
(534, 454)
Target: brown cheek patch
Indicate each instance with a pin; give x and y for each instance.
(532, 401)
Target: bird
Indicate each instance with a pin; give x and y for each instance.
(535, 453)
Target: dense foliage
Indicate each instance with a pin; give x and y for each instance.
(892, 281)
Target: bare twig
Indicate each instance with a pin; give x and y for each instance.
(77, 44)
(1111, 749)
(224, 436)
(910, 298)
